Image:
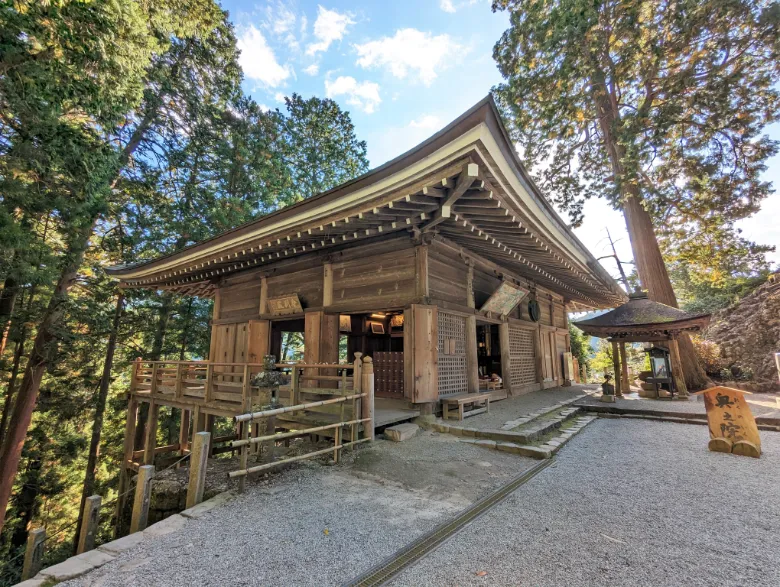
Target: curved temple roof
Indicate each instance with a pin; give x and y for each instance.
(464, 185)
(641, 317)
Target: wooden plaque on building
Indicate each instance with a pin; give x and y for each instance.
(284, 305)
(504, 299)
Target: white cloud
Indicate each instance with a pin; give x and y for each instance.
(313, 69)
(410, 50)
(281, 22)
(279, 97)
(258, 61)
(364, 95)
(447, 6)
(426, 121)
(330, 26)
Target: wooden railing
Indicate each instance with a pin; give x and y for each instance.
(350, 402)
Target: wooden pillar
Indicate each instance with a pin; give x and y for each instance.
(89, 526)
(327, 284)
(367, 387)
(677, 369)
(506, 360)
(625, 384)
(421, 353)
(616, 366)
(198, 464)
(33, 554)
(472, 361)
(151, 433)
(470, 302)
(539, 356)
(143, 496)
(127, 455)
(258, 340)
(263, 307)
(184, 431)
(421, 271)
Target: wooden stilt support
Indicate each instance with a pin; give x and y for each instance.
(89, 527)
(198, 465)
(143, 495)
(33, 554)
(127, 456)
(624, 383)
(184, 432)
(616, 366)
(151, 433)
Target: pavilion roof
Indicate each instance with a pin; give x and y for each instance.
(464, 185)
(643, 319)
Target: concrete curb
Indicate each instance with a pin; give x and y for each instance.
(676, 420)
(82, 564)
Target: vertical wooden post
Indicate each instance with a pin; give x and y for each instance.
(184, 431)
(151, 432)
(143, 496)
(337, 445)
(179, 386)
(263, 309)
(357, 405)
(294, 383)
(367, 387)
(154, 379)
(246, 390)
(209, 384)
(616, 367)
(624, 383)
(677, 369)
(421, 258)
(470, 302)
(33, 554)
(506, 359)
(327, 284)
(244, 459)
(198, 465)
(90, 525)
(472, 360)
(539, 356)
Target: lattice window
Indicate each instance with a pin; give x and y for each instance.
(522, 363)
(452, 354)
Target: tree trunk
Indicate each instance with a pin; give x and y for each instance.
(655, 279)
(7, 303)
(155, 355)
(40, 357)
(100, 407)
(644, 244)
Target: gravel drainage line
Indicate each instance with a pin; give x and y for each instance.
(411, 553)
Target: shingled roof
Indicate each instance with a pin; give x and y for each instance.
(643, 318)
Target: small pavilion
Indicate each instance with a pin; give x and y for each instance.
(643, 320)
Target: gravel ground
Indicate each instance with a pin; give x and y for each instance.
(658, 509)
(372, 504)
(514, 407)
(761, 404)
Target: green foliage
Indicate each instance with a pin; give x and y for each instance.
(580, 347)
(125, 122)
(665, 100)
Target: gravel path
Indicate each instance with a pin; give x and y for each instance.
(375, 502)
(515, 407)
(658, 509)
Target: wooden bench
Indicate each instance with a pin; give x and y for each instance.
(465, 399)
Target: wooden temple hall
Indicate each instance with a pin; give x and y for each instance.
(445, 266)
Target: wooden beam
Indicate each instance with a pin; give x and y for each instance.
(472, 361)
(466, 178)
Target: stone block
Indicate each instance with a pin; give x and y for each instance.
(524, 450)
(166, 526)
(67, 569)
(486, 443)
(122, 544)
(470, 432)
(401, 432)
(95, 558)
(36, 581)
(610, 399)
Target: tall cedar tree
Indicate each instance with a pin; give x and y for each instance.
(70, 71)
(657, 107)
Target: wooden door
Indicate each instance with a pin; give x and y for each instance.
(389, 374)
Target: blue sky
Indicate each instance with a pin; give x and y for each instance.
(404, 69)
